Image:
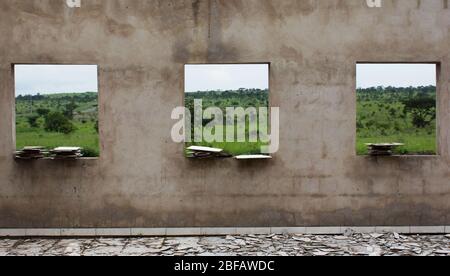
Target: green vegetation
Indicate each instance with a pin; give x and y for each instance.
(244, 98)
(57, 122)
(67, 119)
(404, 115)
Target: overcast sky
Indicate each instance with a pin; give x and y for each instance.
(396, 75)
(226, 77)
(51, 79)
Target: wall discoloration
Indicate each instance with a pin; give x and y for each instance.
(115, 28)
(196, 10)
(218, 49)
(142, 178)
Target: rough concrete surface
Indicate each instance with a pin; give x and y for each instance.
(373, 244)
(142, 178)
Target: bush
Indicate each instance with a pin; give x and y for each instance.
(69, 110)
(33, 121)
(42, 112)
(57, 122)
(88, 152)
(96, 126)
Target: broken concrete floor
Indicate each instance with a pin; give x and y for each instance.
(391, 244)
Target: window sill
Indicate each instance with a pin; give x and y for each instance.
(52, 159)
(399, 157)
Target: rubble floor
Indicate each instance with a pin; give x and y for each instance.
(390, 244)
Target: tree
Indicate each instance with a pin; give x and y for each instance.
(32, 120)
(57, 122)
(423, 110)
(42, 112)
(69, 109)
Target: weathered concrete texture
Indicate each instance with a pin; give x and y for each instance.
(142, 178)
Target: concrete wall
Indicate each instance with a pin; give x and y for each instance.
(142, 178)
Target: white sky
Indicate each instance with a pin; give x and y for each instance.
(396, 75)
(205, 77)
(51, 79)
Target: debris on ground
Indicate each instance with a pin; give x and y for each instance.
(373, 244)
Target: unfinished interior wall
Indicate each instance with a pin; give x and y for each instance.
(142, 178)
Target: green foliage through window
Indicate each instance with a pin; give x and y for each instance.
(404, 115)
(244, 98)
(53, 120)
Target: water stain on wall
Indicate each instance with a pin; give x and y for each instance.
(119, 29)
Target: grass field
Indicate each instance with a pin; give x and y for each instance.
(244, 98)
(397, 115)
(420, 145)
(83, 117)
(234, 148)
(84, 136)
